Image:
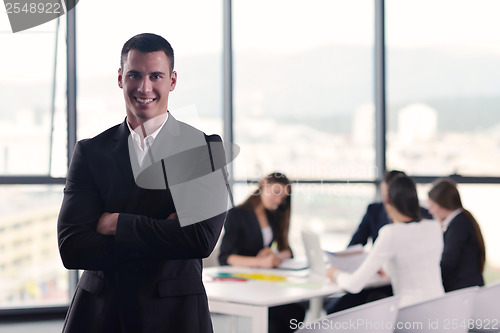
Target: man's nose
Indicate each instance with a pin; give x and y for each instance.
(145, 86)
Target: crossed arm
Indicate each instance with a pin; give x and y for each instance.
(92, 238)
(106, 225)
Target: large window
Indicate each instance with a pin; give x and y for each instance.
(443, 87)
(194, 29)
(303, 100)
(32, 105)
(303, 87)
(32, 146)
(31, 270)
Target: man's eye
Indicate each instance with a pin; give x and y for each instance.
(156, 76)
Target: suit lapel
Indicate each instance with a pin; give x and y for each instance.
(123, 157)
(164, 144)
(126, 158)
(121, 151)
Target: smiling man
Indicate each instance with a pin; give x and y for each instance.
(144, 202)
(147, 78)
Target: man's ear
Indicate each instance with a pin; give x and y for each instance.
(120, 84)
(173, 80)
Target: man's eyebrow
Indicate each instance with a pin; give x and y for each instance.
(137, 72)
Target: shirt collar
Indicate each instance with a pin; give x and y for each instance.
(137, 135)
(449, 218)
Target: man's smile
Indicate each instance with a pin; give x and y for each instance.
(144, 100)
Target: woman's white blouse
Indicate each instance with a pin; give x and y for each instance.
(267, 235)
(410, 253)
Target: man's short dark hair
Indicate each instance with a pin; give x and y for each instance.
(146, 43)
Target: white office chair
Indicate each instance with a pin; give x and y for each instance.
(377, 316)
(448, 313)
(486, 311)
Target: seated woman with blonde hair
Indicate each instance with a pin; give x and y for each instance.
(409, 250)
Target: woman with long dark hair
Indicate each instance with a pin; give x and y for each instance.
(256, 235)
(262, 220)
(464, 252)
(409, 250)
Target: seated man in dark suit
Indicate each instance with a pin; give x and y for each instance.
(374, 219)
(376, 216)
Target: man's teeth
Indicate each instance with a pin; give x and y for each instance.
(148, 100)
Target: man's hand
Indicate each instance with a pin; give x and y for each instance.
(107, 223)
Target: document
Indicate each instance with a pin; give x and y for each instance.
(348, 260)
(293, 264)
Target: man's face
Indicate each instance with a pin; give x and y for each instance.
(146, 82)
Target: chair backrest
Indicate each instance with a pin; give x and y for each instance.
(486, 311)
(377, 316)
(448, 313)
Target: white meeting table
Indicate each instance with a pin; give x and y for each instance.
(254, 297)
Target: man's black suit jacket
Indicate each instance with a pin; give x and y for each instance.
(460, 266)
(147, 277)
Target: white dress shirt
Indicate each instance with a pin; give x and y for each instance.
(410, 253)
(144, 143)
(446, 222)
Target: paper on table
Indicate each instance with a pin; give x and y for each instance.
(293, 264)
(305, 285)
(349, 259)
